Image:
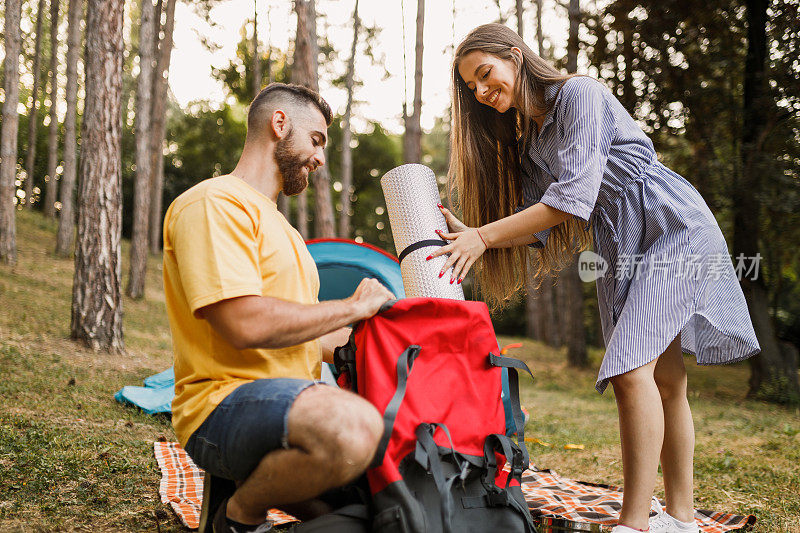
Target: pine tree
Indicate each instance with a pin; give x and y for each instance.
(33, 122)
(66, 219)
(51, 187)
(141, 197)
(96, 292)
(412, 140)
(347, 134)
(8, 134)
(160, 86)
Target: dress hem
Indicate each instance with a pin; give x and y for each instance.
(602, 384)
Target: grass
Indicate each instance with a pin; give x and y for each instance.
(71, 458)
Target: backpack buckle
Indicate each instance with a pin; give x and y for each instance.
(497, 499)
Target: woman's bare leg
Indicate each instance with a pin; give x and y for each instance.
(641, 427)
(677, 454)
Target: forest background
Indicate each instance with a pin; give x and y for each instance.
(96, 145)
(717, 88)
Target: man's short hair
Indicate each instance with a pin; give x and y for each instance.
(277, 94)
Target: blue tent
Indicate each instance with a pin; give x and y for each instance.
(342, 264)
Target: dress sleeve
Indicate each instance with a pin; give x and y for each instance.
(586, 131)
(215, 248)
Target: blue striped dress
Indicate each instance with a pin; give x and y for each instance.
(668, 266)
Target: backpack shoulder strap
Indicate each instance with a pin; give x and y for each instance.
(513, 385)
(404, 364)
(427, 455)
(500, 497)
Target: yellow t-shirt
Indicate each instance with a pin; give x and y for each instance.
(224, 239)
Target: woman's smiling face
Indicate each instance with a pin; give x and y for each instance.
(490, 78)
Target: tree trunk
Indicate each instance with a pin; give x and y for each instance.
(302, 215)
(550, 325)
(520, 24)
(628, 92)
(347, 135)
(306, 52)
(533, 308)
(412, 140)
(773, 372)
(301, 64)
(33, 117)
(141, 196)
(160, 86)
(257, 76)
(51, 188)
(284, 206)
(572, 316)
(66, 219)
(269, 45)
(539, 34)
(96, 293)
(324, 220)
(501, 16)
(301, 74)
(573, 42)
(8, 134)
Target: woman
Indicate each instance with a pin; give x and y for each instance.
(541, 158)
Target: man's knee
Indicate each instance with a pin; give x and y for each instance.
(338, 428)
(356, 434)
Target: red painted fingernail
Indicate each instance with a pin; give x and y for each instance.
(429, 258)
(438, 231)
(440, 205)
(441, 274)
(460, 280)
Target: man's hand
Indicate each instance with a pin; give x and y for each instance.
(265, 322)
(368, 297)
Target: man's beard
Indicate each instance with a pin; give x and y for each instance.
(290, 166)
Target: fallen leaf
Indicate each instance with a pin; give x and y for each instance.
(536, 441)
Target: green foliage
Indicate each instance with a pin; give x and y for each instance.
(237, 77)
(203, 142)
(681, 73)
(375, 153)
(40, 161)
(777, 390)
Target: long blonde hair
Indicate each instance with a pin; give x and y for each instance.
(484, 174)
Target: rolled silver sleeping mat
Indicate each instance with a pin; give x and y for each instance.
(411, 196)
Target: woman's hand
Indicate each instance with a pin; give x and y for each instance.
(453, 224)
(466, 247)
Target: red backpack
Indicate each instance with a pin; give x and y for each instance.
(429, 366)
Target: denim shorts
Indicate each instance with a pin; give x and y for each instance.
(249, 423)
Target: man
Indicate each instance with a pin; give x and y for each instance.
(248, 330)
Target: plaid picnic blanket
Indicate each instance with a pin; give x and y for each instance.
(182, 485)
(551, 495)
(547, 493)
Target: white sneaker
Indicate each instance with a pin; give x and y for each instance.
(662, 522)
